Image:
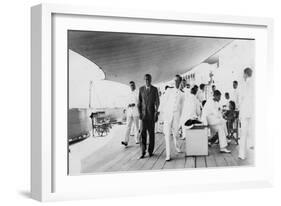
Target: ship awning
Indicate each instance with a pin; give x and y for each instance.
(127, 57)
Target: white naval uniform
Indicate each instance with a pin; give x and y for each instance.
(132, 116)
(212, 116)
(234, 96)
(225, 103)
(186, 92)
(191, 110)
(187, 95)
(201, 96)
(246, 117)
(172, 106)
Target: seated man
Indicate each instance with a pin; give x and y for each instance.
(191, 110)
(212, 116)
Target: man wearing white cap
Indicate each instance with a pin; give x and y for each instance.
(172, 106)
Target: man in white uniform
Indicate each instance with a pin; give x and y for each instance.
(201, 95)
(210, 93)
(246, 113)
(212, 116)
(172, 106)
(234, 96)
(186, 89)
(191, 109)
(225, 101)
(132, 115)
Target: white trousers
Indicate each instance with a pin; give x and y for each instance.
(183, 128)
(246, 139)
(171, 126)
(221, 130)
(132, 120)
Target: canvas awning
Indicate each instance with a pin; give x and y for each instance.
(127, 57)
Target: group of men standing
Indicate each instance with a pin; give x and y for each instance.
(179, 105)
(145, 104)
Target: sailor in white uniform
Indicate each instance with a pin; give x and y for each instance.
(132, 115)
(172, 106)
(212, 116)
(234, 95)
(246, 114)
(201, 95)
(185, 87)
(191, 109)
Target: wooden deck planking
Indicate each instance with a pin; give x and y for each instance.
(240, 162)
(180, 161)
(189, 162)
(210, 159)
(230, 160)
(126, 159)
(220, 161)
(152, 160)
(128, 156)
(200, 162)
(116, 160)
(138, 164)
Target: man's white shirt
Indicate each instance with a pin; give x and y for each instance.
(246, 99)
(211, 114)
(201, 96)
(133, 98)
(186, 92)
(191, 109)
(234, 96)
(224, 102)
(173, 101)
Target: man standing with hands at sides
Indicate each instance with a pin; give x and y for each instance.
(148, 108)
(132, 114)
(246, 113)
(172, 107)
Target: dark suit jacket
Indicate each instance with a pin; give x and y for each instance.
(148, 102)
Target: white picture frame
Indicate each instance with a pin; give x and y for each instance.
(48, 178)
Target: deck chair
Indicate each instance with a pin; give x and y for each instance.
(233, 128)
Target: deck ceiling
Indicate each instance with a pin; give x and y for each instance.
(124, 57)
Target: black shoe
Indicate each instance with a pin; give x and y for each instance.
(142, 156)
(124, 143)
(151, 154)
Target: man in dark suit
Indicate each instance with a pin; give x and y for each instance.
(148, 108)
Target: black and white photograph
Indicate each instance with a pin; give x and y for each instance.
(145, 102)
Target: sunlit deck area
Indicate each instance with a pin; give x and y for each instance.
(111, 156)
